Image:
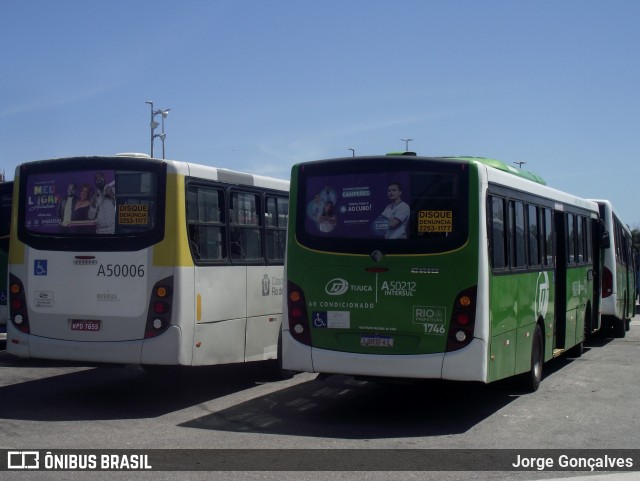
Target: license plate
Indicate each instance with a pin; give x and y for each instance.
(84, 325)
(376, 341)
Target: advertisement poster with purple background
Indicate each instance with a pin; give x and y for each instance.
(70, 202)
(358, 206)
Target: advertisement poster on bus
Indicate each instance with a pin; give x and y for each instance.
(77, 202)
(359, 206)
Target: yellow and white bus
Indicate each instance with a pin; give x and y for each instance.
(133, 260)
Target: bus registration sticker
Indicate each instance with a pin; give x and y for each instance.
(85, 325)
(376, 341)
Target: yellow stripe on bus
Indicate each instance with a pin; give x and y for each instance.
(173, 250)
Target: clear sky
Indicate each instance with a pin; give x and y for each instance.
(259, 85)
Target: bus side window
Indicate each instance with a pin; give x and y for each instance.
(246, 235)
(571, 239)
(276, 216)
(534, 236)
(547, 238)
(497, 231)
(589, 240)
(206, 228)
(516, 210)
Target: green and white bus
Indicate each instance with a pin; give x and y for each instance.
(618, 275)
(6, 192)
(443, 268)
(134, 260)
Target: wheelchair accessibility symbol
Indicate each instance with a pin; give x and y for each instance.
(40, 267)
(319, 319)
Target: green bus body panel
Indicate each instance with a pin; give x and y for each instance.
(414, 309)
(579, 295)
(517, 301)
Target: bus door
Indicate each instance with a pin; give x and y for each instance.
(560, 308)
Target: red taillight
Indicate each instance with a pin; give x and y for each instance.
(18, 305)
(607, 283)
(462, 320)
(299, 326)
(160, 306)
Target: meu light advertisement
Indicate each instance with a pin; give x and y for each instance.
(79, 202)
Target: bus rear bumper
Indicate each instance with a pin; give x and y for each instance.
(468, 364)
(160, 350)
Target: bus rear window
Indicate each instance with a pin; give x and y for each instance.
(90, 202)
(408, 208)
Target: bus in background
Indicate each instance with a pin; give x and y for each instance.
(444, 268)
(6, 191)
(619, 274)
(144, 261)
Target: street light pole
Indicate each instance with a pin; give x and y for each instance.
(154, 125)
(519, 163)
(406, 144)
(150, 102)
(162, 135)
(353, 151)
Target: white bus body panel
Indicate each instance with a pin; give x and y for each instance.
(163, 349)
(219, 342)
(236, 328)
(63, 286)
(218, 289)
(295, 355)
(468, 364)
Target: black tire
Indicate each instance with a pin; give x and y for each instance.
(532, 379)
(576, 351)
(620, 327)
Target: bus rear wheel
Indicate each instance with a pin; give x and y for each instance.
(532, 378)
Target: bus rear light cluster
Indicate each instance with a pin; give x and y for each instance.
(607, 283)
(297, 311)
(18, 305)
(462, 320)
(159, 312)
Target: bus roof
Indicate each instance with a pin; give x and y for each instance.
(183, 167)
(499, 171)
(498, 164)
